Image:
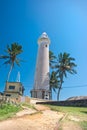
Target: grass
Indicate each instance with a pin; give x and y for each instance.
(79, 112)
(83, 124)
(8, 110)
(28, 105)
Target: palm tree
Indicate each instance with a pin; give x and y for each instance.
(65, 64)
(53, 82)
(52, 58)
(11, 57)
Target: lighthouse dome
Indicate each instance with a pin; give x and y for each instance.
(44, 38)
(44, 35)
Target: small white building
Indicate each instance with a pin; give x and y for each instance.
(41, 82)
(13, 89)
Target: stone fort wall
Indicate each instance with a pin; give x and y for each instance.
(74, 103)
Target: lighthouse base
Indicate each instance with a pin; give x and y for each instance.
(42, 94)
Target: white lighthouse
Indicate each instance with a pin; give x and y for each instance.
(41, 82)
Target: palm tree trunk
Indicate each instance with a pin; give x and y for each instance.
(9, 72)
(61, 80)
(58, 94)
(50, 92)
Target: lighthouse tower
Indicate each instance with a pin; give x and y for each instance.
(41, 82)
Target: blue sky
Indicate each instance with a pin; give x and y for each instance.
(65, 22)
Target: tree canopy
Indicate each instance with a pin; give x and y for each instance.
(12, 51)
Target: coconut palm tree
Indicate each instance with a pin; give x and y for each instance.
(65, 64)
(10, 58)
(52, 58)
(54, 83)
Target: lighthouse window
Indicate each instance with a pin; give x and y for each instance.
(45, 45)
(11, 87)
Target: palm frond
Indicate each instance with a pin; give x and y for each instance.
(4, 57)
(7, 62)
(11, 58)
(17, 61)
(52, 58)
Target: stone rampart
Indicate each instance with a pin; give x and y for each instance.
(74, 103)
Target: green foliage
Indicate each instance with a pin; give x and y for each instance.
(53, 80)
(78, 112)
(8, 110)
(11, 58)
(63, 64)
(52, 58)
(54, 83)
(84, 125)
(28, 105)
(70, 110)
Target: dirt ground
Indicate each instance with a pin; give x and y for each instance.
(69, 125)
(41, 119)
